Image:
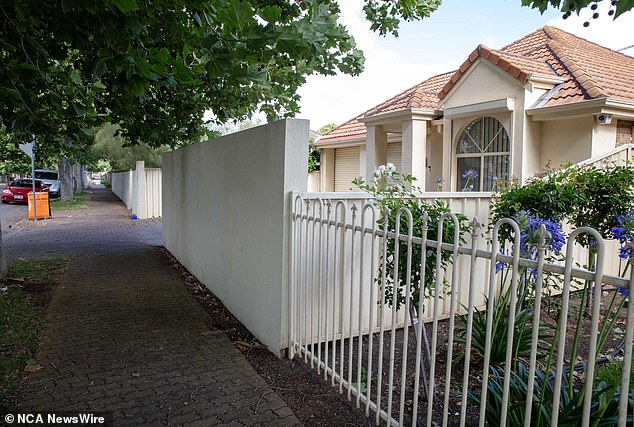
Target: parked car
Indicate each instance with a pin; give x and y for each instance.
(51, 179)
(17, 191)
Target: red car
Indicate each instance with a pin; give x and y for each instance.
(18, 190)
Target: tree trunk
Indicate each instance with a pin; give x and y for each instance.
(66, 179)
(3, 258)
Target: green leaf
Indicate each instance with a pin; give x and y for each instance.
(237, 14)
(126, 5)
(270, 14)
(100, 68)
(623, 6)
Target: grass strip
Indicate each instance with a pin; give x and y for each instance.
(79, 202)
(23, 301)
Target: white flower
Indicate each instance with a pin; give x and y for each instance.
(399, 188)
(379, 197)
(390, 167)
(381, 169)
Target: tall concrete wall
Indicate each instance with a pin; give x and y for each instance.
(226, 218)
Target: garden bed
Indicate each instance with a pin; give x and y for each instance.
(316, 402)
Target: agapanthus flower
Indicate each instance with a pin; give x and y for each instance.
(624, 292)
(624, 232)
(440, 181)
(471, 173)
(529, 237)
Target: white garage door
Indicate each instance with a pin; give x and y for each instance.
(346, 168)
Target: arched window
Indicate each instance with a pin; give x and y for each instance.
(483, 155)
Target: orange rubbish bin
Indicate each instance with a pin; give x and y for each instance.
(42, 204)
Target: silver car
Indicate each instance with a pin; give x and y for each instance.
(51, 179)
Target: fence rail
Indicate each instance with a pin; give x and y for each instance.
(617, 155)
(450, 354)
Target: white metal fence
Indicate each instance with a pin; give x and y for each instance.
(440, 359)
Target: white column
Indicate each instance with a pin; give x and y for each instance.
(327, 168)
(447, 155)
(414, 150)
(375, 149)
(141, 190)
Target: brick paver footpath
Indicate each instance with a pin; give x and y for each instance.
(123, 335)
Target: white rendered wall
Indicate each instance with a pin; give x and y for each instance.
(567, 140)
(226, 218)
(314, 181)
(603, 137)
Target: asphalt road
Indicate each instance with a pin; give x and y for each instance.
(10, 213)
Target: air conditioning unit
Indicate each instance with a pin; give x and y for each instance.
(604, 119)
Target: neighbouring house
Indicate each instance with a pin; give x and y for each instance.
(547, 98)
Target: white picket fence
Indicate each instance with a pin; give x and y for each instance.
(140, 189)
(343, 325)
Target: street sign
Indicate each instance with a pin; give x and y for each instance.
(27, 148)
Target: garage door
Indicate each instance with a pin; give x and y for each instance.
(346, 167)
(394, 150)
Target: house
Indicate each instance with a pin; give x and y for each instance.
(547, 98)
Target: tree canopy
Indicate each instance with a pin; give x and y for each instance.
(576, 6)
(154, 67)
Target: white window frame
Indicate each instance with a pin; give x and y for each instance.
(483, 154)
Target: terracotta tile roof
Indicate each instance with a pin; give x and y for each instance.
(588, 70)
(423, 96)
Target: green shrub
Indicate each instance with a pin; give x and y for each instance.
(604, 409)
(392, 191)
(522, 334)
(583, 196)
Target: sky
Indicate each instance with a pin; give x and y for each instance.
(436, 45)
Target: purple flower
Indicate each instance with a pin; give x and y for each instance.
(470, 174)
(499, 266)
(529, 237)
(624, 232)
(624, 292)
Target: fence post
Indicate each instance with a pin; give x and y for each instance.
(141, 190)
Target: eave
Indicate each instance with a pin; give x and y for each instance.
(402, 115)
(616, 107)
